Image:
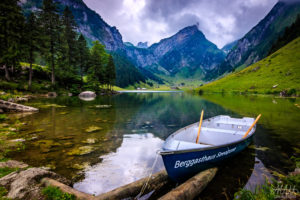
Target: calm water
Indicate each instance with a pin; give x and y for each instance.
(129, 128)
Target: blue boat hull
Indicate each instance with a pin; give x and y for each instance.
(182, 165)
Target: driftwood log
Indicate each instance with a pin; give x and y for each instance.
(65, 188)
(187, 190)
(14, 107)
(192, 187)
(156, 182)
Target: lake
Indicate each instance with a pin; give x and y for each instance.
(112, 140)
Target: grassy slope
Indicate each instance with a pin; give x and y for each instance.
(282, 68)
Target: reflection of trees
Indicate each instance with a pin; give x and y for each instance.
(163, 113)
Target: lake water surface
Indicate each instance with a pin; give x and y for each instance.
(111, 141)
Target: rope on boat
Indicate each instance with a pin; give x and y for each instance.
(149, 177)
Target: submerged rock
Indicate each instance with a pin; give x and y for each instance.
(52, 105)
(26, 184)
(81, 166)
(81, 151)
(93, 129)
(102, 106)
(65, 137)
(90, 141)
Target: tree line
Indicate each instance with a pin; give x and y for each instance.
(51, 36)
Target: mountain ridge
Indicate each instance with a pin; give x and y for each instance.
(276, 73)
(256, 44)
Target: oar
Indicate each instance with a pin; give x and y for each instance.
(252, 126)
(200, 123)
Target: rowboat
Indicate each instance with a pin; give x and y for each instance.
(189, 150)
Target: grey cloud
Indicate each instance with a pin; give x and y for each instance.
(221, 21)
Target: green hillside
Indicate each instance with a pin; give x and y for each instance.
(277, 72)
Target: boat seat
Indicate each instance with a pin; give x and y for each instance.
(183, 145)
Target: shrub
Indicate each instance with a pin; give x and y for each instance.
(8, 85)
(265, 192)
(54, 193)
(3, 192)
(2, 117)
(291, 92)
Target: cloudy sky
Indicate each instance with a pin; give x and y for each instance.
(221, 21)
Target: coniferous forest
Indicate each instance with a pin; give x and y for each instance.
(43, 51)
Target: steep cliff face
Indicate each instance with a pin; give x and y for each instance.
(227, 48)
(256, 44)
(90, 24)
(187, 49)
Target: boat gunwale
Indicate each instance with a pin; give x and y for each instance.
(168, 152)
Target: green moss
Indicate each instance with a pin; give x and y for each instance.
(54, 193)
(3, 192)
(280, 71)
(6, 170)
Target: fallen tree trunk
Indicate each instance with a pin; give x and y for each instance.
(79, 195)
(156, 182)
(9, 106)
(192, 187)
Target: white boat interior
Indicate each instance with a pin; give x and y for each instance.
(216, 131)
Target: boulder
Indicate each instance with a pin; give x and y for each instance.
(87, 94)
(26, 184)
(13, 164)
(52, 94)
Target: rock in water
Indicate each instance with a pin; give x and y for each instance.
(26, 184)
(87, 95)
(52, 94)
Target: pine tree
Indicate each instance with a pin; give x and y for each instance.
(51, 27)
(111, 72)
(83, 56)
(32, 42)
(11, 27)
(97, 63)
(69, 35)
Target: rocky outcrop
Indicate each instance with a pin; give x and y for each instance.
(26, 184)
(14, 107)
(142, 45)
(13, 164)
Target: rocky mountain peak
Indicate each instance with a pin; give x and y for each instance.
(142, 45)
